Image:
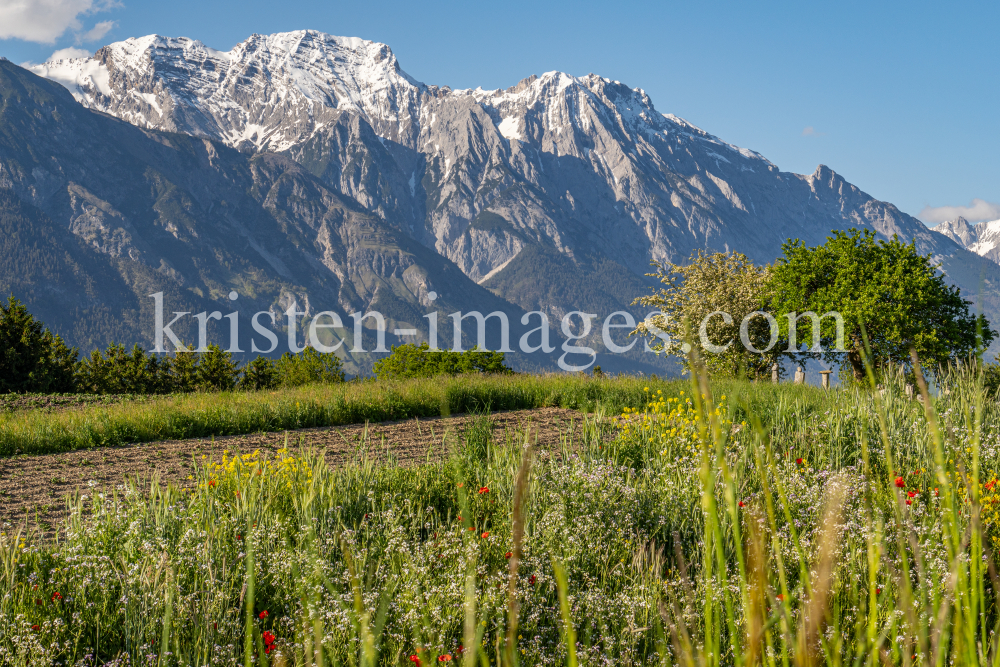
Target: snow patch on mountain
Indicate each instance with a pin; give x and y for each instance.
(78, 75)
(509, 128)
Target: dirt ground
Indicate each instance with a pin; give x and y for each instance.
(34, 488)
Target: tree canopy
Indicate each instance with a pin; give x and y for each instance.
(851, 287)
(883, 289)
(411, 361)
(32, 359)
(689, 301)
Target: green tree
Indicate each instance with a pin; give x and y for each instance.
(184, 369)
(261, 373)
(32, 359)
(309, 366)
(693, 294)
(119, 372)
(887, 290)
(411, 361)
(216, 370)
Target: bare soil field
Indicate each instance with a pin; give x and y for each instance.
(34, 488)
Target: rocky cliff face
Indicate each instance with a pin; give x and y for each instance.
(555, 193)
(125, 211)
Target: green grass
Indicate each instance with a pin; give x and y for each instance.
(691, 538)
(233, 413)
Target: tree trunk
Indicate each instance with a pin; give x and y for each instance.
(857, 364)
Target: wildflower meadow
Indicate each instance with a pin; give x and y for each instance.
(677, 523)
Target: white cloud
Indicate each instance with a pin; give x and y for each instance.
(97, 32)
(978, 211)
(64, 54)
(810, 131)
(44, 21)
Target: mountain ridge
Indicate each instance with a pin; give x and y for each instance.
(573, 175)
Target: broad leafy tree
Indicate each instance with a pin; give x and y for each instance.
(689, 300)
(309, 366)
(885, 289)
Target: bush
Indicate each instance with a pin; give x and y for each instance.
(410, 361)
(309, 366)
(32, 359)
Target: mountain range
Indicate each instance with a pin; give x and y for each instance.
(311, 168)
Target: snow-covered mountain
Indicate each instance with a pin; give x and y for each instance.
(555, 193)
(982, 238)
(267, 93)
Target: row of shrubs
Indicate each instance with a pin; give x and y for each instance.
(118, 371)
(33, 360)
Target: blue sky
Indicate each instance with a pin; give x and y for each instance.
(899, 98)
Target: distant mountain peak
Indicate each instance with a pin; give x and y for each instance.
(982, 238)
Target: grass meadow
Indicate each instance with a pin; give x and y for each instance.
(679, 523)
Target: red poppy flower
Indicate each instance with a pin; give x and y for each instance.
(459, 518)
(38, 601)
(415, 660)
(508, 555)
(461, 484)
(267, 649)
(56, 596)
(781, 598)
(486, 534)
(912, 494)
(878, 591)
(239, 537)
(900, 483)
(263, 614)
(936, 492)
(741, 503)
(444, 658)
(35, 628)
(269, 638)
(532, 580)
(237, 494)
(798, 461)
(211, 482)
(916, 472)
(483, 489)
(909, 502)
